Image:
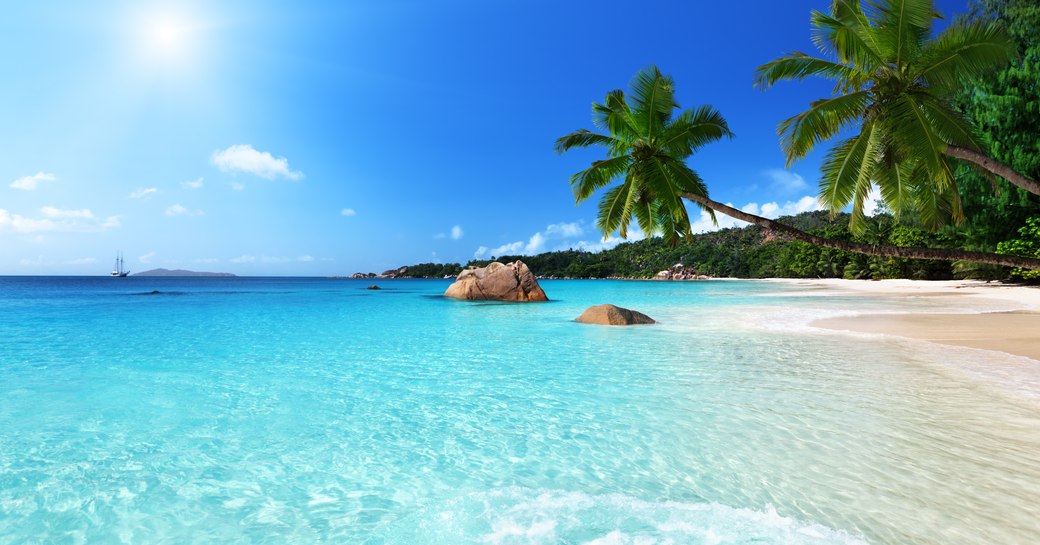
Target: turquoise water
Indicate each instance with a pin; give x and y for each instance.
(313, 410)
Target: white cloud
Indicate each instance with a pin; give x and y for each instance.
(348, 212)
(179, 210)
(243, 158)
(305, 258)
(146, 258)
(873, 200)
(29, 183)
(82, 261)
(238, 186)
(771, 210)
(243, 259)
(193, 184)
(565, 230)
(206, 260)
(786, 181)
(56, 220)
(143, 192)
(57, 213)
(456, 232)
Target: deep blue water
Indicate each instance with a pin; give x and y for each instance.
(307, 410)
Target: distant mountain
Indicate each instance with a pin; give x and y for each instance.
(179, 272)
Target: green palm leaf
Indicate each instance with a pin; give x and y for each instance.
(963, 51)
(653, 101)
(601, 173)
(614, 208)
(692, 129)
(824, 119)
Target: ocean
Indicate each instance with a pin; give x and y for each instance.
(312, 410)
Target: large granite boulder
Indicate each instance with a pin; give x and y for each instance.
(509, 282)
(612, 315)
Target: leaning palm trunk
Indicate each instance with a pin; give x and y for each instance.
(868, 249)
(994, 166)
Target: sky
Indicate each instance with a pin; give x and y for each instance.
(332, 137)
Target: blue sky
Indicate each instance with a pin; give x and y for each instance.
(324, 138)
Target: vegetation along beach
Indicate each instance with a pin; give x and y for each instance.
(377, 273)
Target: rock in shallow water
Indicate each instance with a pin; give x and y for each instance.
(613, 315)
(509, 282)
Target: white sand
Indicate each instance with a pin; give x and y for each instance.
(985, 322)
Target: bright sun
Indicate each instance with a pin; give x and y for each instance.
(166, 35)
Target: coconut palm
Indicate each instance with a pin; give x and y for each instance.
(891, 80)
(647, 148)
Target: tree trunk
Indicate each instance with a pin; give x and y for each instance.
(868, 249)
(994, 166)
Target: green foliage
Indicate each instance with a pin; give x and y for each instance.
(647, 148)
(891, 83)
(1028, 244)
(433, 270)
(1004, 104)
(747, 252)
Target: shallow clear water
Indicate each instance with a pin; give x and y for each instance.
(312, 410)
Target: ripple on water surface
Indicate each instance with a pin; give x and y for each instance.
(281, 410)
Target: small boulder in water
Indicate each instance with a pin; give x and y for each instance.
(373, 287)
(613, 315)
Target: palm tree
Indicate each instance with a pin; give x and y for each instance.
(891, 80)
(647, 150)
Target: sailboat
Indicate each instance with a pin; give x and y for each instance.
(120, 271)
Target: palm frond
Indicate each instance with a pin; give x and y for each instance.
(653, 99)
(949, 125)
(912, 132)
(797, 65)
(614, 208)
(583, 138)
(614, 116)
(963, 51)
(601, 173)
(895, 183)
(688, 181)
(847, 168)
(902, 26)
(824, 119)
(645, 212)
(850, 38)
(692, 129)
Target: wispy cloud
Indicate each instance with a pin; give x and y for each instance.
(786, 181)
(456, 232)
(769, 210)
(238, 186)
(143, 192)
(29, 183)
(348, 212)
(56, 220)
(146, 258)
(82, 261)
(193, 184)
(244, 158)
(179, 210)
(271, 259)
(555, 236)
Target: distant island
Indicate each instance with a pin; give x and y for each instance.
(180, 272)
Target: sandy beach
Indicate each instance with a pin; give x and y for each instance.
(995, 316)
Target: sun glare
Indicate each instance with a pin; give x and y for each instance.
(166, 35)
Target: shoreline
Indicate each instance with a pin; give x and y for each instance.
(996, 317)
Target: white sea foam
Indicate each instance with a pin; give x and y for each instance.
(518, 515)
